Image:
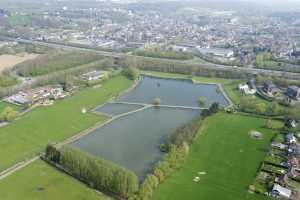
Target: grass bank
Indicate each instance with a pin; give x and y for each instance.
(227, 154)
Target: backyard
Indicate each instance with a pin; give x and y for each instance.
(225, 156)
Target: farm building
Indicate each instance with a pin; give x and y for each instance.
(20, 98)
(280, 191)
(93, 76)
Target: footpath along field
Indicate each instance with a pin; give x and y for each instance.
(227, 156)
(28, 136)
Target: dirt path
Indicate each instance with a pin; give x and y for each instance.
(17, 167)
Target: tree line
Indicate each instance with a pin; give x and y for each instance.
(55, 61)
(164, 54)
(95, 172)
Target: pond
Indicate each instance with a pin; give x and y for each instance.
(174, 92)
(133, 140)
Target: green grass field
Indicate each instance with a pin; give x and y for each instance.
(39, 181)
(228, 155)
(28, 136)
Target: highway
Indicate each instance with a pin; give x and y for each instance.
(249, 70)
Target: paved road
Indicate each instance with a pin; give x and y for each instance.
(250, 70)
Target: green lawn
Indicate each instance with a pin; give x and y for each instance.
(228, 155)
(39, 181)
(29, 135)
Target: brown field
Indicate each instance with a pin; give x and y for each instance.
(8, 61)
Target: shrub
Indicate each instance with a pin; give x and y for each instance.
(8, 114)
(52, 154)
(131, 73)
(202, 101)
(156, 101)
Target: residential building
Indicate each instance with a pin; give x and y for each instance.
(293, 93)
(269, 88)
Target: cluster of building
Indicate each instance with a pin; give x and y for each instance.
(291, 94)
(46, 95)
(282, 186)
(214, 31)
(42, 95)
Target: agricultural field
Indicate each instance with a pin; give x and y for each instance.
(226, 157)
(30, 134)
(41, 181)
(8, 61)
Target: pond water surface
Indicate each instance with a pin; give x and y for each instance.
(174, 92)
(132, 141)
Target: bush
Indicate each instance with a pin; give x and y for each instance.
(156, 101)
(131, 73)
(202, 101)
(8, 114)
(52, 154)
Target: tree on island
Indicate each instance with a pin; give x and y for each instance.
(156, 101)
(202, 101)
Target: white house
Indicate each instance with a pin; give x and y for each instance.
(244, 88)
(280, 191)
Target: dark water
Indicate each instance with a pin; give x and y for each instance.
(116, 109)
(174, 92)
(133, 141)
